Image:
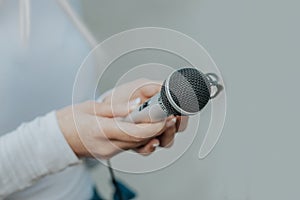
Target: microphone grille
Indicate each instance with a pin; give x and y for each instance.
(189, 90)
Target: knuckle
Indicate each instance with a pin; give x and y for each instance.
(136, 139)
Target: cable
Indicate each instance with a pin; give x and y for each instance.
(114, 181)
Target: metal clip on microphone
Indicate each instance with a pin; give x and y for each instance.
(213, 80)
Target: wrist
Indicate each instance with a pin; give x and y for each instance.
(68, 128)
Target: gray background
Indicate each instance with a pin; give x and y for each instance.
(255, 44)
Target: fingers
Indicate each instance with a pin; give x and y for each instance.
(129, 132)
(143, 88)
(140, 88)
(167, 138)
(148, 88)
(148, 148)
(114, 147)
(181, 123)
(110, 110)
(142, 138)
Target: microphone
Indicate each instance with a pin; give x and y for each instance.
(185, 92)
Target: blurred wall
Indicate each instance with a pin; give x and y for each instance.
(256, 45)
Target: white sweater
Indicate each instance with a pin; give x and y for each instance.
(35, 160)
(36, 157)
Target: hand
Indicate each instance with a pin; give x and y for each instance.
(139, 91)
(91, 130)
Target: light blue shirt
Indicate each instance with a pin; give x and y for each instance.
(38, 78)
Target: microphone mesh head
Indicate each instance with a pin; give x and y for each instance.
(189, 90)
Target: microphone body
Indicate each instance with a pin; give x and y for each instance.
(150, 111)
(185, 92)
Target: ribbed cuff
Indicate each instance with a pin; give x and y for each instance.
(34, 150)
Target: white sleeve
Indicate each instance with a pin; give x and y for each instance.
(34, 150)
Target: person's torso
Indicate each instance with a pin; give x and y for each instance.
(38, 78)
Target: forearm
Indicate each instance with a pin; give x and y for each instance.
(34, 150)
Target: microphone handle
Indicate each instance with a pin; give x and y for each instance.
(150, 111)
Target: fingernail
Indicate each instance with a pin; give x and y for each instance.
(134, 103)
(171, 122)
(155, 145)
